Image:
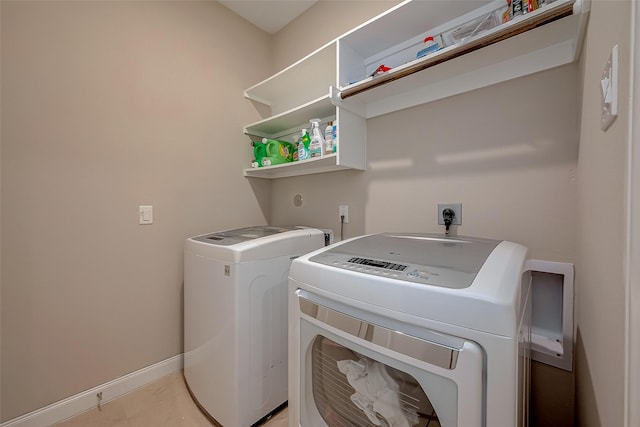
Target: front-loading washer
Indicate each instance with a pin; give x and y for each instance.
(235, 319)
(399, 330)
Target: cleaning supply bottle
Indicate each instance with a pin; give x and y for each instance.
(316, 147)
(430, 46)
(278, 151)
(303, 146)
(328, 138)
(259, 151)
(334, 136)
(296, 140)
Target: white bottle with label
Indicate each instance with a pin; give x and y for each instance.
(328, 138)
(316, 147)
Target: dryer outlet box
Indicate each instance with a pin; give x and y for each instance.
(455, 207)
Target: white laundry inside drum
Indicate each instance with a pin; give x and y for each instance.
(350, 389)
(376, 392)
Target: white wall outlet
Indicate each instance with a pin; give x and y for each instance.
(457, 209)
(343, 210)
(609, 90)
(145, 214)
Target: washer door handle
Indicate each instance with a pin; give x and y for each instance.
(400, 342)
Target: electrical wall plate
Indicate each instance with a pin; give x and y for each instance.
(609, 90)
(343, 210)
(145, 214)
(456, 207)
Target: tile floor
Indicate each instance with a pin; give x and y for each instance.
(163, 403)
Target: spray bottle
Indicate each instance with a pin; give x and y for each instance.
(303, 146)
(316, 147)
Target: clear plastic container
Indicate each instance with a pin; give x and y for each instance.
(328, 138)
(316, 147)
(469, 29)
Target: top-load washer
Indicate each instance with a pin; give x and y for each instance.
(410, 329)
(235, 318)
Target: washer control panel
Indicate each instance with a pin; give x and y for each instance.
(433, 276)
(428, 259)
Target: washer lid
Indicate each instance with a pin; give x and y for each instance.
(232, 237)
(255, 243)
(427, 259)
(492, 303)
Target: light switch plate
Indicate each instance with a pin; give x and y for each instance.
(609, 90)
(145, 215)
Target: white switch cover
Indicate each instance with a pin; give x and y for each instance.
(146, 214)
(609, 90)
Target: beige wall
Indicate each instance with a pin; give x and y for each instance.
(511, 175)
(107, 106)
(601, 231)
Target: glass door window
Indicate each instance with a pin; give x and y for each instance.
(350, 389)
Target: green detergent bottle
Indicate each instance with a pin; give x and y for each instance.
(259, 151)
(277, 151)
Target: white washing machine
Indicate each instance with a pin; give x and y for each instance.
(407, 330)
(235, 319)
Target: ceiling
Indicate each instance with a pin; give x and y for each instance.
(268, 15)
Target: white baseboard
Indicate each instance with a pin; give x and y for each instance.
(86, 400)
